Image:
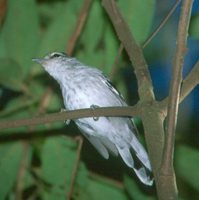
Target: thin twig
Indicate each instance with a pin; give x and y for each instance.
(21, 171)
(166, 182)
(115, 64)
(45, 100)
(3, 6)
(134, 51)
(148, 40)
(73, 114)
(23, 105)
(174, 94)
(26, 145)
(79, 26)
(75, 169)
(188, 84)
(161, 25)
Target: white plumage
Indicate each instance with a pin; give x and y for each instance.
(85, 87)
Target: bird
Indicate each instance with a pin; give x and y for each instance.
(83, 86)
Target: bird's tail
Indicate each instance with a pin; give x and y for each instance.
(143, 171)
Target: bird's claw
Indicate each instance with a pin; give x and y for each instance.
(67, 122)
(93, 107)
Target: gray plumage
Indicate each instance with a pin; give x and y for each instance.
(85, 87)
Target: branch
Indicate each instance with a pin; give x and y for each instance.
(145, 88)
(76, 167)
(3, 7)
(161, 25)
(79, 26)
(74, 114)
(148, 40)
(22, 170)
(116, 62)
(24, 161)
(188, 84)
(151, 116)
(167, 175)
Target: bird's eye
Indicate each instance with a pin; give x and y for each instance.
(56, 55)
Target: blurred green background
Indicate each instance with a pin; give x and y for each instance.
(38, 162)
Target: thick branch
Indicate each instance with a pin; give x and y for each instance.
(75, 114)
(134, 51)
(151, 116)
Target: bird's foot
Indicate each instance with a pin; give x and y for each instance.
(93, 107)
(67, 122)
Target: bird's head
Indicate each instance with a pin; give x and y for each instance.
(55, 63)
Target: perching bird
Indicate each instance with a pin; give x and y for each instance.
(86, 87)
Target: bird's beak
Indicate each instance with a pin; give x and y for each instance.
(38, 60)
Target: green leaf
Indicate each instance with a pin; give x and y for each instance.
(11, 74)
(93, 187)
(81, 184)
(16, 105)
(82, 176)
(112, 47)
(9, 166)
(110, 191)
(134, 191)
(139, 16)
(48, 10)
(99, 47)
(194, 26)
(187, 162)
(90, 38)
(91, 59)
(58, 160)
(23, 114)
(56, 102)
(56, 36)
(94, 27)
(61, 28)
(19, 35)
(55, 193)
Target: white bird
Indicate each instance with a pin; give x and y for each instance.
(87, 87)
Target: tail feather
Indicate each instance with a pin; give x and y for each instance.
(126, 156)
(140, 153)
(142, 175)
(141, 172)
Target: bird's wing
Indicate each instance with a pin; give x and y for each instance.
(97, 144)
(110, 146)
(88, 132)
(115, 92)
(103, 145)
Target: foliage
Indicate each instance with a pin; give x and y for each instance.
(194, 26)
(33, 29)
